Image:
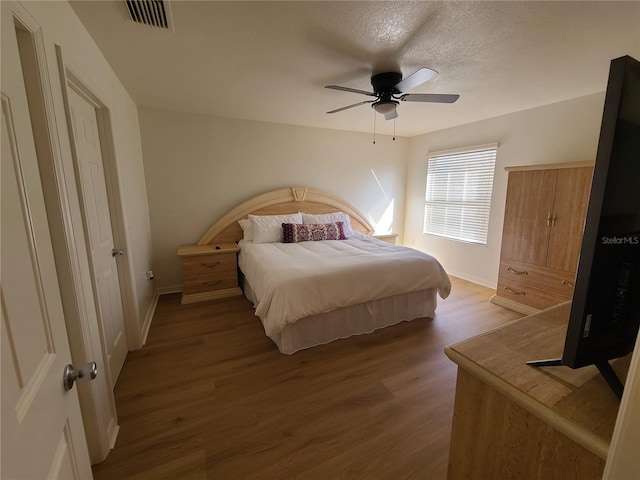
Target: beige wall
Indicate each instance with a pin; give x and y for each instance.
(198, 167)
(562, 132)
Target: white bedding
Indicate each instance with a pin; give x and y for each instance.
(297, 280)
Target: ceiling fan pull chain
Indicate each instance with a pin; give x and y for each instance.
(374, 127)
(394, 129)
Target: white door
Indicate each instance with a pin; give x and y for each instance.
(42, 432)
(97, 220)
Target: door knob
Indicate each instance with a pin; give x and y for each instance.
(86, 373)
(115, 252)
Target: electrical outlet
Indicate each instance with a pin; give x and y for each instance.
(150, 276)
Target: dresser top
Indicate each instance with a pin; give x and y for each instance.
(577, 402)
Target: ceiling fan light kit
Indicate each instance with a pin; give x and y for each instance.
(385, 107)
(389, 89)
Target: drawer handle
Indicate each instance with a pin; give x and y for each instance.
(517, 272)
(212, 283)
(210, 264)
(514, 292)
(566, 282)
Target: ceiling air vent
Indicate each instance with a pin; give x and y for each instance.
(154, 13)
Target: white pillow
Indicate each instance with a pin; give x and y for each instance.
(333, 217)
(268, 228)
(247, 231)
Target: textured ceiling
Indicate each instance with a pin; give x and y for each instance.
(269, 61)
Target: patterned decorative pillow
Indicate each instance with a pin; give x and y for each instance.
(297, 232)
(333, 217)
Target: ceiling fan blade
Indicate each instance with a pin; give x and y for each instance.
(417, 78)
(352, 90)
(350, 106)
(429, 97)
(391, 115)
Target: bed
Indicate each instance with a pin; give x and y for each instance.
(308, 293)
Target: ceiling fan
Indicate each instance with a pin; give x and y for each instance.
(389, 89)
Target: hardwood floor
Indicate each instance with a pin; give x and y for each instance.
(210, 397)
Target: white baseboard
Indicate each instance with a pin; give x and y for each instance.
(149, 316)
(113, 430)
(471, 278)
(171, 289)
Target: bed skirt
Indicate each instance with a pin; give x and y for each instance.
(354, 320)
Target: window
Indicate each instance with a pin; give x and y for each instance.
(458, 196)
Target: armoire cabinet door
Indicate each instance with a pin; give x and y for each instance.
(530, 196)
(569, 211)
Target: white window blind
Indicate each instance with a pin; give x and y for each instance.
(458, 196)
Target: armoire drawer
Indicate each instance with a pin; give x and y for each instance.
(521, 292)
(553, 282)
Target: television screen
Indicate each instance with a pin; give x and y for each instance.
(605, 311)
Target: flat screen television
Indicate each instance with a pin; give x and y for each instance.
(605, 311)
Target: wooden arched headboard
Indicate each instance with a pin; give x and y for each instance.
(278, 202)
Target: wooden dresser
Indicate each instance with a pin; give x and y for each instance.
(512, 420)
(209, 272)
(543, 223)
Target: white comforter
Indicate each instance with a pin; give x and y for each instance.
(295, 280)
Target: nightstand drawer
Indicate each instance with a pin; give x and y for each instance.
(203, 264)
(210, 282)
(209, 272)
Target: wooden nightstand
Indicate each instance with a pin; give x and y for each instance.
(209, 272)
(387, 237)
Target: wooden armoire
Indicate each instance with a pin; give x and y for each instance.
(542, 235)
